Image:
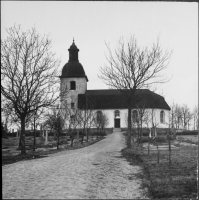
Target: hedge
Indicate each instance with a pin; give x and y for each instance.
(187, 132)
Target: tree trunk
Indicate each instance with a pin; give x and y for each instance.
(72, 141)
(138, 134)
(86, 135)
(66, 138)
(184, 123)
(58, 139)
(129, 128)
(158, 152)
(34, 145)
(72, 138)
(141, 133)
(23, 147)
(82, 140)
(84, 129)
(169, 147)
(19, 146)
(149, 145)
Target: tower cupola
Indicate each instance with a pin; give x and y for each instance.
(73, 68)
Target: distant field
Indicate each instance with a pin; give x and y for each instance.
(194, 138)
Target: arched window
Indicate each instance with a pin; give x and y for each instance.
(99, 116)
(72, 85)
(162, 117)
(117, 113)
(135, 116)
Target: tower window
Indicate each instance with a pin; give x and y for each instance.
(72, 85)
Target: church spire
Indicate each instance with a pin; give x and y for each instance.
(73, 52)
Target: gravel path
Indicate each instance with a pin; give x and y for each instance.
(96, 171)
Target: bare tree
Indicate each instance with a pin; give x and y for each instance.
(172, 116)
(130, 68)
(154, 122)
(104, 122)
(143, 117)
(36, 116)
(7, 115)
(87, 117)
(195, 118)
(101, 121)
(73, 121)
(29, 71)
(189, 118)
(177, 116)
(186, 115)
(90, 123)
(56, 121)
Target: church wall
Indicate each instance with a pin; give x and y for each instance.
(124, 118)
(111, 116)
(157, 116)
(71, 95)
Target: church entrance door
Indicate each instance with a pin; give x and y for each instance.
(117, 123)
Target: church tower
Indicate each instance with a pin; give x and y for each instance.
(73, 78)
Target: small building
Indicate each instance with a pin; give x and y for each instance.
(111, 102)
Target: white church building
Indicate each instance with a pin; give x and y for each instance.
(110, 101)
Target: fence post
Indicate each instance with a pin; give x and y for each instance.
(149, 140)
(158, 152)
(78, 136)
(17, 134)
(169, 148)
(46, 138)
(43, 132)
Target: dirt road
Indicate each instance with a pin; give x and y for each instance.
(96, 171)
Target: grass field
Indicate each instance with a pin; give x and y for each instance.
(11, 153)
(179, 180)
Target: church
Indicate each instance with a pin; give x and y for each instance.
(111, 102)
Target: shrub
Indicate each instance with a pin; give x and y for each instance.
(172, 137)
(187, 132)
(156, 139)
(145, 139)
(108, 130)
(160, 139)
(145, 134)
(95, 134)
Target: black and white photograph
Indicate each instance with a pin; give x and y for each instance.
(99, 100)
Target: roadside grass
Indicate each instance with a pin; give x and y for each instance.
(192, 139)
(179, 180)
(12, 153)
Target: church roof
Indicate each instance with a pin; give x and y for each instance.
(115, 99)
(73, 69)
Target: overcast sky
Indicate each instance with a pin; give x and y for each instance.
(94, 23)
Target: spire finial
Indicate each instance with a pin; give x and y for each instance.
(73, 40)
